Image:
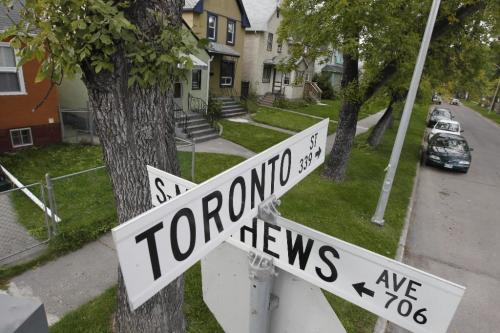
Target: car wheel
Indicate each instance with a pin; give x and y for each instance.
(465, 170)
(423, 158)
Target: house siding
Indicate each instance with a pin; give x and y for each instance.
(17, 111)
(225, 10)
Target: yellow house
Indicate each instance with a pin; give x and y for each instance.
(222, 23)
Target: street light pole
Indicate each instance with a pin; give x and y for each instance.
(378, 217)
(494, 97)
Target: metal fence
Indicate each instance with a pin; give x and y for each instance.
(26, 223)
(80, 206)
(77, 126)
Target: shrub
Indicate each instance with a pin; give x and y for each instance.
(214, 109)
(324, 84)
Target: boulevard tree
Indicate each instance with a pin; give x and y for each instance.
(384, 35)
(128, 55)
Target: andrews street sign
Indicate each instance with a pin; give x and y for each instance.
(402, 294)
(159, 245)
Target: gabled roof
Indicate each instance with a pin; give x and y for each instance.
(259, 13)
(197, 7)
(9, 14)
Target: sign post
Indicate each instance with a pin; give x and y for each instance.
(402, 294)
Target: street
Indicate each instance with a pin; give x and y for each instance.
(454, 231)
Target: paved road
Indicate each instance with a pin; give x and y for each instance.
(455, 227)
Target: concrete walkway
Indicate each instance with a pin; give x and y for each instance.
(76, 278)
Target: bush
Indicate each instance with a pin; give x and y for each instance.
(324, 84)
(283, 103)
(250, 103)
(214, 109)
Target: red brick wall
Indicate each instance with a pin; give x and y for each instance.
(42, 135)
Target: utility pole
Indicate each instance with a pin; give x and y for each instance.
(378, 217)
(494, 97)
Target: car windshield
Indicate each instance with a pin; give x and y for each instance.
(441, 113)
(450, 127)
(450, 143)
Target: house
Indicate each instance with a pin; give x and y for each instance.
(332, 66)
(190, 98)
(263, 54)
(222, 23)
(23, 122)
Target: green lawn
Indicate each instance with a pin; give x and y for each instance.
(483, 111)
(342, 210)
(287, 120)
(252, 137)
(85, 202)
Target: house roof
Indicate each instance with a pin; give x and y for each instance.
(333, 68)
(197, 7)
(259, 13)
(222, 49)
(9, 14)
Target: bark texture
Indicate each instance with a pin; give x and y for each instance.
(136, 127)
(336, 165)
(382, 125)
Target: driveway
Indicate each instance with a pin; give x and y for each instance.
(455, 228)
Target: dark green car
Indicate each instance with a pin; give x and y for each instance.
(448, 151)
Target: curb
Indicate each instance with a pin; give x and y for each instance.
(381, 324)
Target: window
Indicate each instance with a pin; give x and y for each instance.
(231, 31)
(212, 27)
(266, 74)
(196, 79)
(286, 78)
(280, 46)
(338, 58)
(269, 41)
(177, 90)
(299, 78)
(11, 79)
(226, 73)
(21, 137)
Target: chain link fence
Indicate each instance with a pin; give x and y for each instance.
(78, 126)
(68, 210)
(25, 223)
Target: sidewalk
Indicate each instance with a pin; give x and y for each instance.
(76, 278)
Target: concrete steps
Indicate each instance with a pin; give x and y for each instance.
(267, 100)
(198, 128)
(231, 108)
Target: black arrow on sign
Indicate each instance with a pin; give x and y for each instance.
(360, 288)
(318, 152)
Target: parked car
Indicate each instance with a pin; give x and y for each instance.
(455, 101)
(446, 126)
(449, 151)
(4, 182)
(437, 114)
(436, 99)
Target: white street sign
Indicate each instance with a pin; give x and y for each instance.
(159, 245)
(402, 294)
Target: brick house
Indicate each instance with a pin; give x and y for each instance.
(20, 124)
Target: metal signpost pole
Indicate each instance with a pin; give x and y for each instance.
(378, 218)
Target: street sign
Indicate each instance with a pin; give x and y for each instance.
(400, 293)
(159, 245)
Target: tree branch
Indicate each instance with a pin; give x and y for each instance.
(441, 27)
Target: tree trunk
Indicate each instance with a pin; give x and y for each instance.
(382, 125)
(136, 127)
(336, 165)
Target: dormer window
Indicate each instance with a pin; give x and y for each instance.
(212, 27)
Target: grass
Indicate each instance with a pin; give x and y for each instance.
(85, 202)
(341, 210)
(483, 111)
(251, 137)
(287, 120)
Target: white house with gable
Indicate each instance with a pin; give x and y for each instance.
(263, 53)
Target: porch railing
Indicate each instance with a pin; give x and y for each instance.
(197, 105)
(312, 91)
(181, 117)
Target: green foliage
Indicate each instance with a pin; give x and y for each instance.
(214, 109)
(92, 35)
(250, 104)
(324, 84)
(284, 103)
